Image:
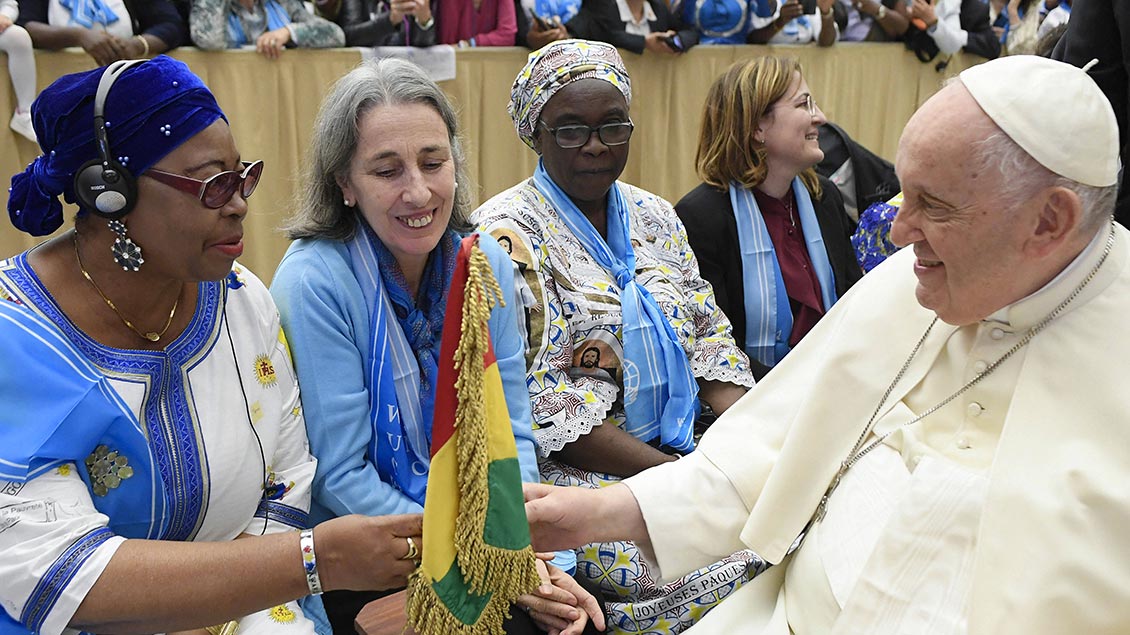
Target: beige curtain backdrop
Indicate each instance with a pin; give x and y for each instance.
(871, 90)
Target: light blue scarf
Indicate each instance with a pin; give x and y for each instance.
(86, 13)
(768, 316)
(400, 409)
(277, 18)
(660, 393)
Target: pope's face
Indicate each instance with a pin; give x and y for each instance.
(970, 260)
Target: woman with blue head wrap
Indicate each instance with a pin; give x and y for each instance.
(150, 412)
(624, 335)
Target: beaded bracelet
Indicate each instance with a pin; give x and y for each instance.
(310, 561)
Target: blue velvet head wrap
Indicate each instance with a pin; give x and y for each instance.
(152, 109)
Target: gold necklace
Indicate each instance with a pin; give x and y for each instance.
(152, 336)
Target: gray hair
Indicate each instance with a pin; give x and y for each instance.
(1022, 175)
(321, 211)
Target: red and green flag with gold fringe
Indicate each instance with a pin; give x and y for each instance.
(477, 557)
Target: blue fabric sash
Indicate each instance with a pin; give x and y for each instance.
(660, 393)
(401, 397)
(768, 316)
(277, 18)
(57, 409)
(86, 13)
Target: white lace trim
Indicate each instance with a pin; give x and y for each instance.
(552, 438)
(713, 372)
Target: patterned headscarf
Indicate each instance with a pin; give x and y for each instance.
(151, 109)
(555, 66)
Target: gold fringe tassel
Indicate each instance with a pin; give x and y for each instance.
(504, 573)
(485, 567)
(428, 615)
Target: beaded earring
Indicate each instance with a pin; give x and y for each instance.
(126, 252)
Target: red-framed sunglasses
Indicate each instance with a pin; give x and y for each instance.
(216, 190)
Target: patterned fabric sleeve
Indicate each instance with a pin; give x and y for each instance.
(55, 546)
(706, 333)
(309, 30)
(564, 407)
(208, 24)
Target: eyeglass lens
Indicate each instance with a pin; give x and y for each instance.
(219, 189)
(611, 134)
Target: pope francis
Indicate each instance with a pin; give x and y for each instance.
(948, 451)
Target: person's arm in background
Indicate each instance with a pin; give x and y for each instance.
(421, 24)
(505, 29)
(786, 13)
(943, 23)
(1022, 31)
(829, 30)
(688, 35)
(307, 30)
(159, 22)
(101, 46)
(534, 35)
(895, 18)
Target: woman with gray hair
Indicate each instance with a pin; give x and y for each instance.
(362, 293)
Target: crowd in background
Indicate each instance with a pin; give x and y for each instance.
(110, 30)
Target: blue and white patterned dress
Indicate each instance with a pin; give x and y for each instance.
(205, 404)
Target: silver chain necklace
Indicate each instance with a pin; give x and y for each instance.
(861, 449)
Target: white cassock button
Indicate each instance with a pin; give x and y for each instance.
(996, 334)
(979, 367)
(963, 443)
(974, 409)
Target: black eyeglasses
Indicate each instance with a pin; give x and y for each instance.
(611, 134)
(216, 190)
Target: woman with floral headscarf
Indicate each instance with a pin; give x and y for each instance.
(153, 451)
(623, 334)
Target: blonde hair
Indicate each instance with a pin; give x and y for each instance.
(737, 101)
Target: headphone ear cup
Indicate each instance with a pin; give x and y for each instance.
(108, 192)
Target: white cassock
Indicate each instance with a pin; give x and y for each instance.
(1006, 511)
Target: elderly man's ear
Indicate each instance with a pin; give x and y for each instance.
(1059, 218)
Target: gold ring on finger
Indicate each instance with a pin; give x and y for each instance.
(413, 552)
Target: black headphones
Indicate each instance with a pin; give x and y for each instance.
(103, 185)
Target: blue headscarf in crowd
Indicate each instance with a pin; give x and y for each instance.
(151, 109)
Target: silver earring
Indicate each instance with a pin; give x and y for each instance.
(126, 252)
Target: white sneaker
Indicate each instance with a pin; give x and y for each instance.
(21, 123)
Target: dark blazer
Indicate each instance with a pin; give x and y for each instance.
(708, 216)
(974, 20)
(1100, 29)
(606, 25)
(159, 18)
(366, 23)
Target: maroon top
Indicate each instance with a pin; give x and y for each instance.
(783, 224)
